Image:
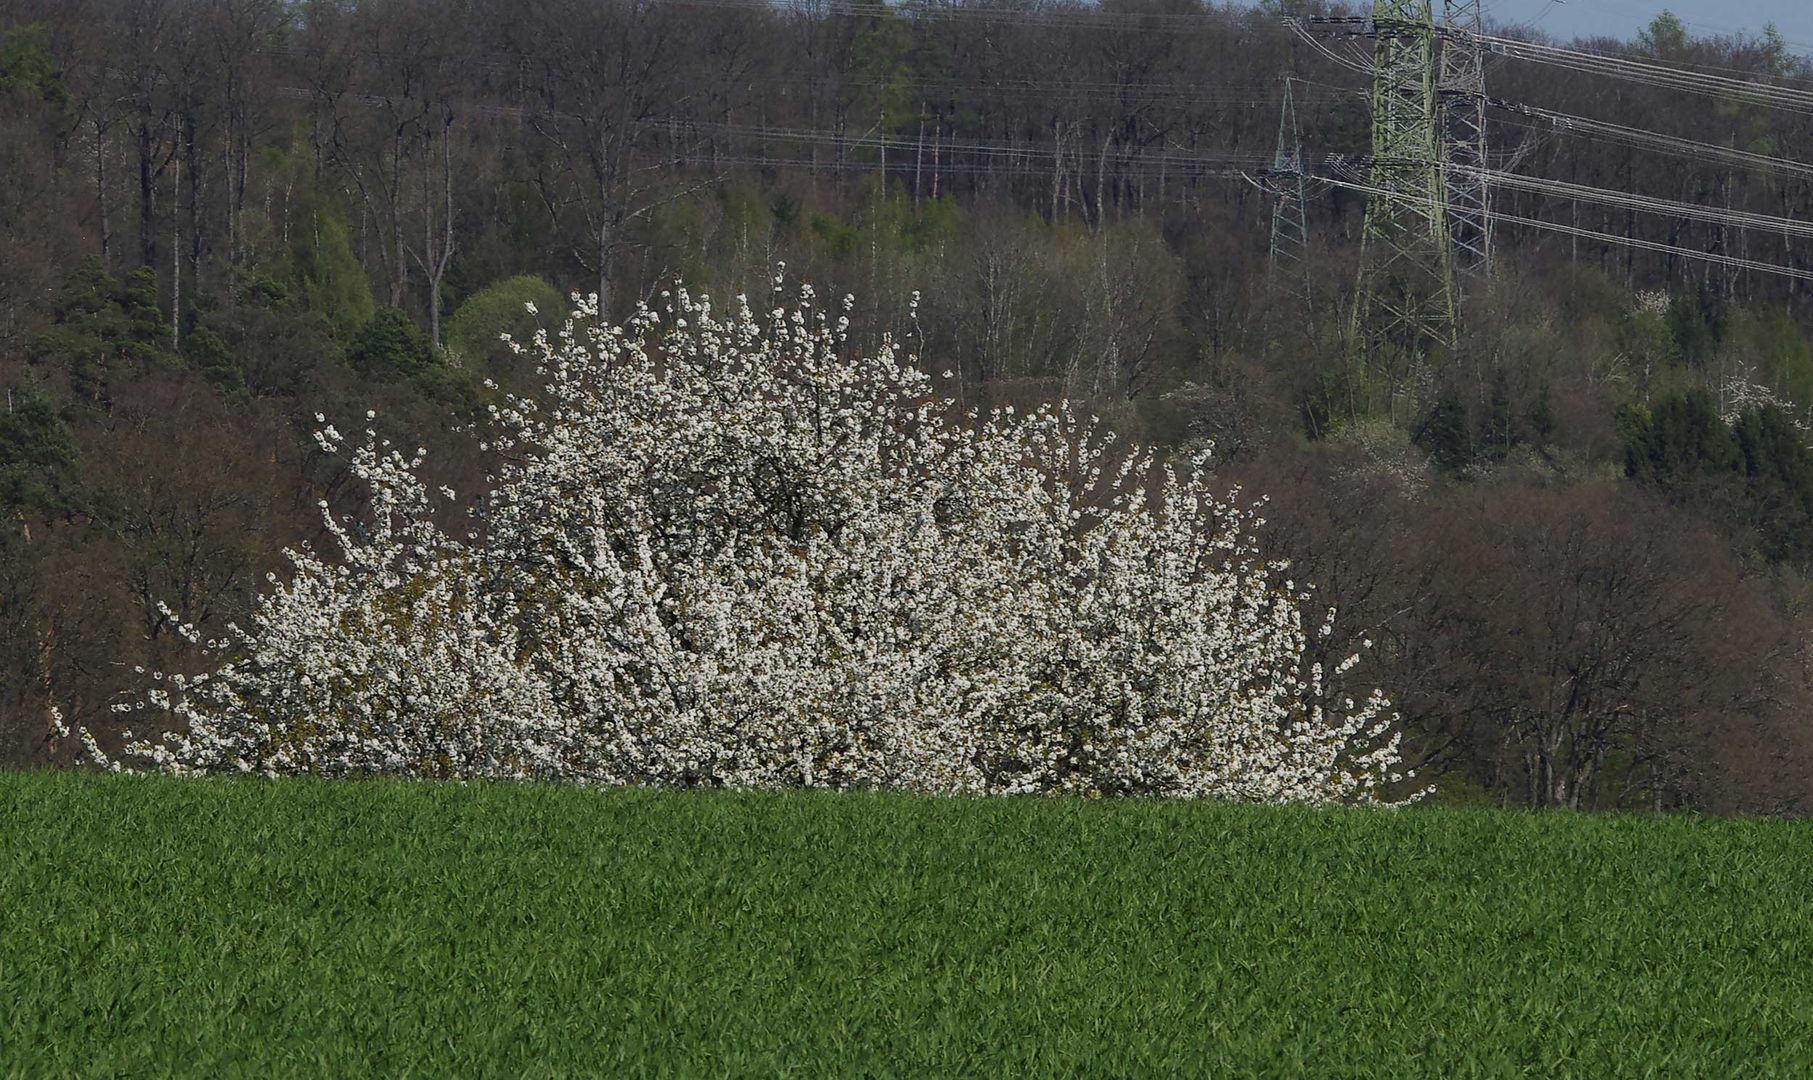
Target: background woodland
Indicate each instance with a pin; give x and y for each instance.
(1580, 544)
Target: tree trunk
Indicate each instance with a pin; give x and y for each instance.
(240, 175)
(176, 248)
(233, 199)
(937, 145)
(198, 187)
(399, 277)
(434, 299)
(147, 199)
(1101, 182)
(100, 193)
(604, 269)
(399, 273)
(919, 156)
(439, 261)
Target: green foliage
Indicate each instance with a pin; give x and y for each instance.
(1772, 448)
(208, 354)
(784, 208)
(1770, 340)
(1472, 424)
(1778, 58)
(517, 243)
(137, 301)
(938, 221)
(679, 234)
(308, 928)
(258, 340)
(1678, 436)
(29, 69)
(1697, 322)
(882, 73)
(1753, 477)
(1588, 294)
(101, 324)
(418, 389)
(391, 344)
(472, 334)
(1446, 433)
(1778, 469)
(891, 219)
(1647, 340)
(1325, 397)
(834, 237)
(326, 273)
(1666, 37)
(36, 451)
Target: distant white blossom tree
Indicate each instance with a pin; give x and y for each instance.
(725, 551)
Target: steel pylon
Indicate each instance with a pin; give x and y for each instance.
(1462, 91)
(1406, 294)
(1290, 216)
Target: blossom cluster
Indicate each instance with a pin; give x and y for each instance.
(735, 550)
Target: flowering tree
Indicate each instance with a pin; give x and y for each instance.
(723, 551)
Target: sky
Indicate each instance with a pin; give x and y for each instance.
(1623, 18)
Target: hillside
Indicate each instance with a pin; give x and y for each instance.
(1580, 538)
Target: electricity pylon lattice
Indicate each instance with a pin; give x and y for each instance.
(1462, 91)
(1406, 288)
(1290, 220)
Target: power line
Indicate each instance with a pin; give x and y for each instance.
(1641, 138)
(1041, 170)
(1719, 258)
(1771, 95)
(1742, 219)
(1361, 66)
(1061, 14)
(907, 142)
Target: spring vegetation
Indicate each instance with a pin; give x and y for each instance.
(1571, 553)
(723, 551)
(757, 398)
(229, 927)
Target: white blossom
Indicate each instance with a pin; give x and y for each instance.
(722, 551)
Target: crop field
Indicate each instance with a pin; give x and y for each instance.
(154, 926)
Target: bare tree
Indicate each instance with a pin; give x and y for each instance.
(601, 75)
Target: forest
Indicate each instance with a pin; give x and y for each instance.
(1574, 549)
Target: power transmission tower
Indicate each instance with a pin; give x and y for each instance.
(1290, 220)
(1462, 90)
(1406, 295)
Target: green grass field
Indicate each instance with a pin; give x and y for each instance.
(219, 928)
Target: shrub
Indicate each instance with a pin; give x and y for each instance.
(391, 344)
(726, 552)
(504, 307)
